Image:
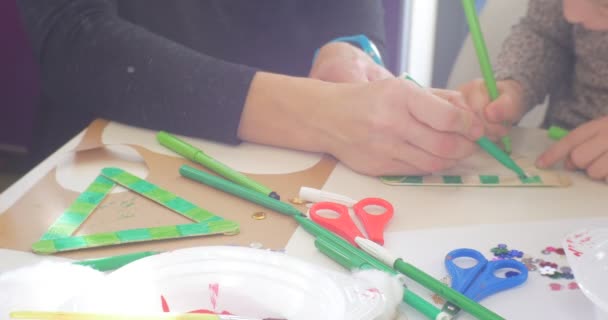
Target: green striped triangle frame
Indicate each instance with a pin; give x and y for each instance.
(544, 179)
(59, 237)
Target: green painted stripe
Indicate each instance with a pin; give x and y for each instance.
(101, 239)
(414, 179)
(393, 179)
(452, 179)
(531, 180)
(489, 179)
(133, 235)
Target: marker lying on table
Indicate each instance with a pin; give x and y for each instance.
(330, 244)
(190, 152)
(483, 57)
(426, 280)
(115, 262)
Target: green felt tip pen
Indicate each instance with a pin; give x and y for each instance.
(190, 152)
(115, 262)
(237, 190)
(483, 57)
(557, 133)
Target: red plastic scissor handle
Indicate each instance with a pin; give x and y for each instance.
(343, 225)
(374, 224)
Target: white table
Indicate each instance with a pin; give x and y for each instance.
(429, 221)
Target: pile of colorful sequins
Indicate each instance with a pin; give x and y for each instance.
(545, 268)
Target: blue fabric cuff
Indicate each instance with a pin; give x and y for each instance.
(361, 41)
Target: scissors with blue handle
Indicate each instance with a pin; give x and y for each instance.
(480, 280)
(344, 226)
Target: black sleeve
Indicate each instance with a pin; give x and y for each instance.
(337, 18)
(91, 58)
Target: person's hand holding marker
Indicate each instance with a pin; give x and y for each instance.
(394, 127)
(584, 148)
(497, 115)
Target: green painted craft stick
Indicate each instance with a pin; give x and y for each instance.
(190, 152)
(159, 195)
(483, 57)
(557, 133)
(135, 235)
(115, 262)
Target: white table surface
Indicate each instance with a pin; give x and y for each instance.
(429, 221)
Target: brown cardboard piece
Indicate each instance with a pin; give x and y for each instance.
(29, 218)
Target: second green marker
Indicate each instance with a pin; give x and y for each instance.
(192, 153)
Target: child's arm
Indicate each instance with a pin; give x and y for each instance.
(538, 52)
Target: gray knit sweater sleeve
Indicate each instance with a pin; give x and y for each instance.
(538, 52)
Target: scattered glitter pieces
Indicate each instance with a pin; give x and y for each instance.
(296, 200)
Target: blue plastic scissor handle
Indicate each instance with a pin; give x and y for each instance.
(480, 280)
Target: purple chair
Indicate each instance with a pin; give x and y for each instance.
(19, 87)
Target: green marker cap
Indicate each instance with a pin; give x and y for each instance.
(557, 133)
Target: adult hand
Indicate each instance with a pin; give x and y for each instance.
(585, 148)
(394, 127)
(343, 62)
(498, 115)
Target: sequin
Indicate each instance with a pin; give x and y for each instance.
(296, 200)
(555, 286)
(546, 271)
(572, 285)
(560, 251)
(260, 215)
(565, 269)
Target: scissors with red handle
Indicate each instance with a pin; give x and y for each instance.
(344, 226)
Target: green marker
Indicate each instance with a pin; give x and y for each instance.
(483, 57)
(557, 133)
(115, 262)
(457, 298)
(328, 243)
(190, 152)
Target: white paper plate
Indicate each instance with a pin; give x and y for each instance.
(587, 253)
(242, 281)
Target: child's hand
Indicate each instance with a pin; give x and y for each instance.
(584, 148)
(507, 109)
